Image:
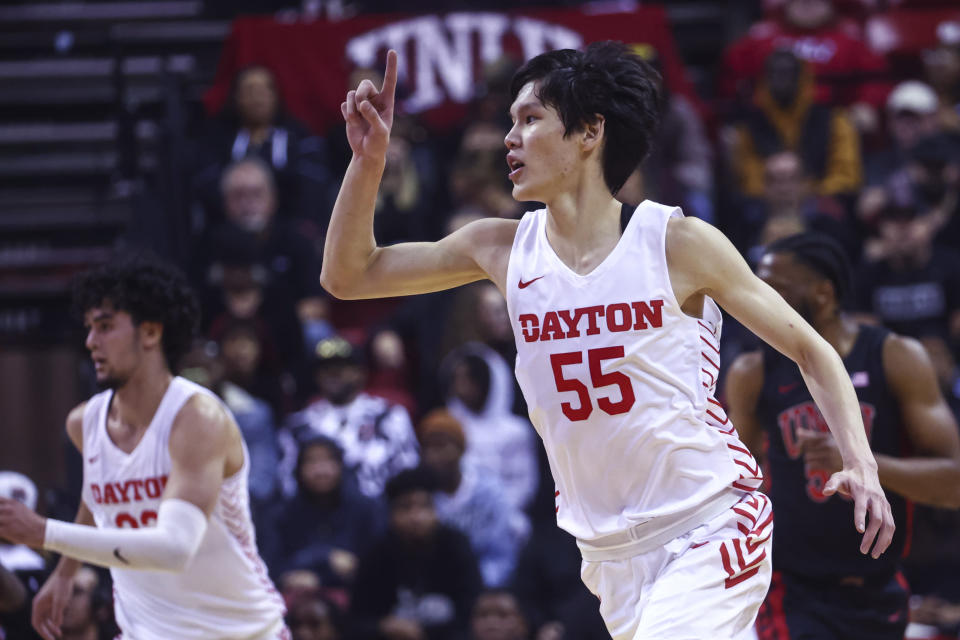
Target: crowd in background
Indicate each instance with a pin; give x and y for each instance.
(398, 488)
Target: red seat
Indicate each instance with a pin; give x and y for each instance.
(906, 32)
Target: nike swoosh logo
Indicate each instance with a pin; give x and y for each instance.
(116, 554)
(787, 388)
(93, 459)
(524, 285)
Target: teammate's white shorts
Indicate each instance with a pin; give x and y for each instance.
(706, 584)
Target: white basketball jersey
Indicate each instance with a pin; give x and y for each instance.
(619, 383)
(225, 592)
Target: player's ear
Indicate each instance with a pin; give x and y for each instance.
(592, 135)
(151, 333)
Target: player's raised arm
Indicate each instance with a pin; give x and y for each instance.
(353, 265)
(703, 261)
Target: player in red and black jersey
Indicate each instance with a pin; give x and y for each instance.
(822, 588)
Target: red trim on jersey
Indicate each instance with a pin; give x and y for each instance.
(709, 344)
(713, 380)
(908, 534)
(772, 620)
(707, 358)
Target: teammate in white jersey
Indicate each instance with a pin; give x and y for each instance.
(164, 478)
(616, 332)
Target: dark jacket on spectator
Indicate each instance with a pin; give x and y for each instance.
(823, 137)
(434, 584)
(307, 528)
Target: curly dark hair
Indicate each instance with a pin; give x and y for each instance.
(604, 79)
(150, 291)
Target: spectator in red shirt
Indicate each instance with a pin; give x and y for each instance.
(847, 72)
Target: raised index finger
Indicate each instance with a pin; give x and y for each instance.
(390, 76)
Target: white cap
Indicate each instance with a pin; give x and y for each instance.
(948, 33)
(19, 487)
(914, 96)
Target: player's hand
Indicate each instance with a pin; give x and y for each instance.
(820, 451)
(21, 525)
(49, 604)
(863, 486)
(368, 113)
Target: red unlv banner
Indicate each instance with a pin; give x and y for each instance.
(441, 56)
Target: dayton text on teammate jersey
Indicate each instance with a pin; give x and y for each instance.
(129, 490)
(621, 316)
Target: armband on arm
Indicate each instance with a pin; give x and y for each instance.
(169, 546)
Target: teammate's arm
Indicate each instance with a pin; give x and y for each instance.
(702, 261)
(353, 265)
(742, 388)
(932, 476)
(200, 439)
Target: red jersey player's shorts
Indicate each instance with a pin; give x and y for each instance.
(707, 583)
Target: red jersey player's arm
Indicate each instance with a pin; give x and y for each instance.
(702, 261)
(742, 388)
(933, 475)
(353, 265)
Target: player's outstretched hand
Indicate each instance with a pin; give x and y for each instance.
(863, 486)
(49, 605)
(369, 113)
(20, 524)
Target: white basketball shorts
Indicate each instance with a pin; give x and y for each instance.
(707, 583)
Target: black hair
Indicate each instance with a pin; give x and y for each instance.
(821, 253)
(230, 114)
(150, 291)
(604, 79)
(327, 442)
(478, 371)
(409, 481)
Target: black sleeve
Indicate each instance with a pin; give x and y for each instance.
(373, 593)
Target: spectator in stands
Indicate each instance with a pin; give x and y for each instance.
(908, 283)
(313, 617)
(406, 203)
(471, 500)
(911, 116)
(376, 435)
(497, 616)
(941, 66)
(203, 365)
(421, 578)
(480, 397)
(927, 186)
(294, 304)
(788, 206)
(22, 570)
(786, 118)
(250, 360)
(82, 617)
(679, 169)
(253, 124)
(327, 525)
(547, 582)
(847, 72)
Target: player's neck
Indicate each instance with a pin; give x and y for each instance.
(840, 331)
(583, 225)
(138, 399)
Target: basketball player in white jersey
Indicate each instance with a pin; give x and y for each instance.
(616, 330)
(164, 501)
